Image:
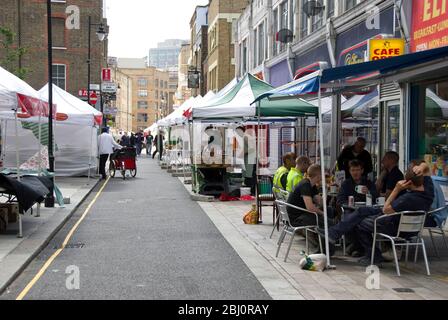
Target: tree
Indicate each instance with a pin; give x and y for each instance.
(12, 55)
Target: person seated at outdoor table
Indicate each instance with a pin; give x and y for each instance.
(306, 196)
(357, 179)
(297, 173)
(390, 174)
(415, 193)
(281, 175)
(357, 151)
(352, 221)
(348, 189)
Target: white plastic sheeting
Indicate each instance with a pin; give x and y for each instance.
(75, 148)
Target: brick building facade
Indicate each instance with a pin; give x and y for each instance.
(222, 16)
(28, 20)
(149, 95)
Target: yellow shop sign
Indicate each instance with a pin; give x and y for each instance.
(386, 48)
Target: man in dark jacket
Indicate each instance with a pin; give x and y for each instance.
(124, 141)
(356, 180)
(356, 152)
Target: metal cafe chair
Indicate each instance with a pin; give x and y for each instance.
(409, 233)
(437, 230)
(288, 229)
(281, 195)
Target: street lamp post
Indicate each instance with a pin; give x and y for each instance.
(101, 33)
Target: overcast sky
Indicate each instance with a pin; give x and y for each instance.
(138, 25)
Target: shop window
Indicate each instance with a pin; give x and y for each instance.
(433, 143)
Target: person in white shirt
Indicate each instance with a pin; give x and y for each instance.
(106, 145)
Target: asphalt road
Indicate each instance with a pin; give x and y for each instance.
(143, 239)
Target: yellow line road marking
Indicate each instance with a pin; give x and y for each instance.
(64, 244)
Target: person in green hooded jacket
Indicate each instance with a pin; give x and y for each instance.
(281, 176)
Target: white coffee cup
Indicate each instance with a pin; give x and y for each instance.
(359, 189)
(381, 201)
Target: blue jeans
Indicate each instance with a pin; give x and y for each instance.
(351, 221)
(365, 233)
(138, 146)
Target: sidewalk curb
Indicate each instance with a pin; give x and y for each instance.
(41, 247)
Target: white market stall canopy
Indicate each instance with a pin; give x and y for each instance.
(17, 95)
(239, 103)
(72, 110)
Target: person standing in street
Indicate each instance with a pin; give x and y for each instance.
(159, 141)
(149, 140)
(132, 140)
(139, 142)
(124, 142)
(106, 145)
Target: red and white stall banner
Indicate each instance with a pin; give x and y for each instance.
(32, 107)
(429, 24)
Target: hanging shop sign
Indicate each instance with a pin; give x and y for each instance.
(429, 24)
(386, 48)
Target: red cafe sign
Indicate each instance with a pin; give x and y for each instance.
(429, 24)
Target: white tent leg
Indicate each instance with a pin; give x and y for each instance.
(317, 138)
(324, 182)
(90, 156)
(40, 147)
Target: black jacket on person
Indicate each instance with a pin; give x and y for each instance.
(124, 142)
(348, 189)
(347, 155)
(132, 140)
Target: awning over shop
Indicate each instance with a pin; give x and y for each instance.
(340, 77)
(238, 103)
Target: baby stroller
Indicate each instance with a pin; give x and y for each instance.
(123, 160)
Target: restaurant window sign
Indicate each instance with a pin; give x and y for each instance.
(386, 48)
(429, 24)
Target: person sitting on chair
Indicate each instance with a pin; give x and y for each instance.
(411, 194)
(281, 176)
(297, 173)
(357, 179)
(390, 174)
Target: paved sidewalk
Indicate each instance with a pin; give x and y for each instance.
(287, 281)
(15, 253)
